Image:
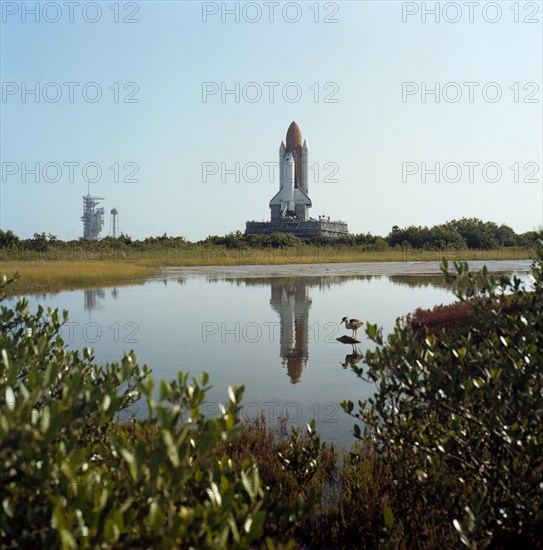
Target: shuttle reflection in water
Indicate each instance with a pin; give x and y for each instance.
(292, 303)
(290, 298)
(92, 298)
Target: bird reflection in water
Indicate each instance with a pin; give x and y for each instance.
(352, 359)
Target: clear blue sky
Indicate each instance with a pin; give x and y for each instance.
(368, 133)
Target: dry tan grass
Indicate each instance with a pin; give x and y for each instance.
(309, 255)
(56, 274)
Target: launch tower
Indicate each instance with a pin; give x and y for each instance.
(93, 218)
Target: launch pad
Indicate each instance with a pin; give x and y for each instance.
(303, 229)
(289, 207)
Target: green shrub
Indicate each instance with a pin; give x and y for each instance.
(459, 417)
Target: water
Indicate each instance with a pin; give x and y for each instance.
(275, 335)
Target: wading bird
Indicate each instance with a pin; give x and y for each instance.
(352, 324)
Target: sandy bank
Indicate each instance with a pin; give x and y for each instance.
(345, 269)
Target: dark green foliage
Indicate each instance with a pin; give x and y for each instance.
(8, 239)
(469, 233)
(297, 462)
(436, 238)
(527, 239)
(459, 417)
(39, 242)
(293, 460)
(240, 240)
(367, 509)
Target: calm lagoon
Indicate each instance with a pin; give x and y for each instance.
(271, 328)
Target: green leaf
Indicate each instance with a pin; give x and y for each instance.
(67, 540)
(357, 432)
(389, 518)
(170, 448)
(155, 519)
(256, 526)
(10, 398)
(131, 461)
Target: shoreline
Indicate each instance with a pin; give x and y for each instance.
(62, 276)
(337, 269)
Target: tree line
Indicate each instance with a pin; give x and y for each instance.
(466, 233)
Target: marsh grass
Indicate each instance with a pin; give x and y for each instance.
(324, 254)
(53, 276)
(362, 505)
(71, 267)
(454, 319)
(368, 509)
(264, 444)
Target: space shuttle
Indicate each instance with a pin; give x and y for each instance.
(292, 201)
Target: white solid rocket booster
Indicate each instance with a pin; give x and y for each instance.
(305, 168)
(289, 175)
